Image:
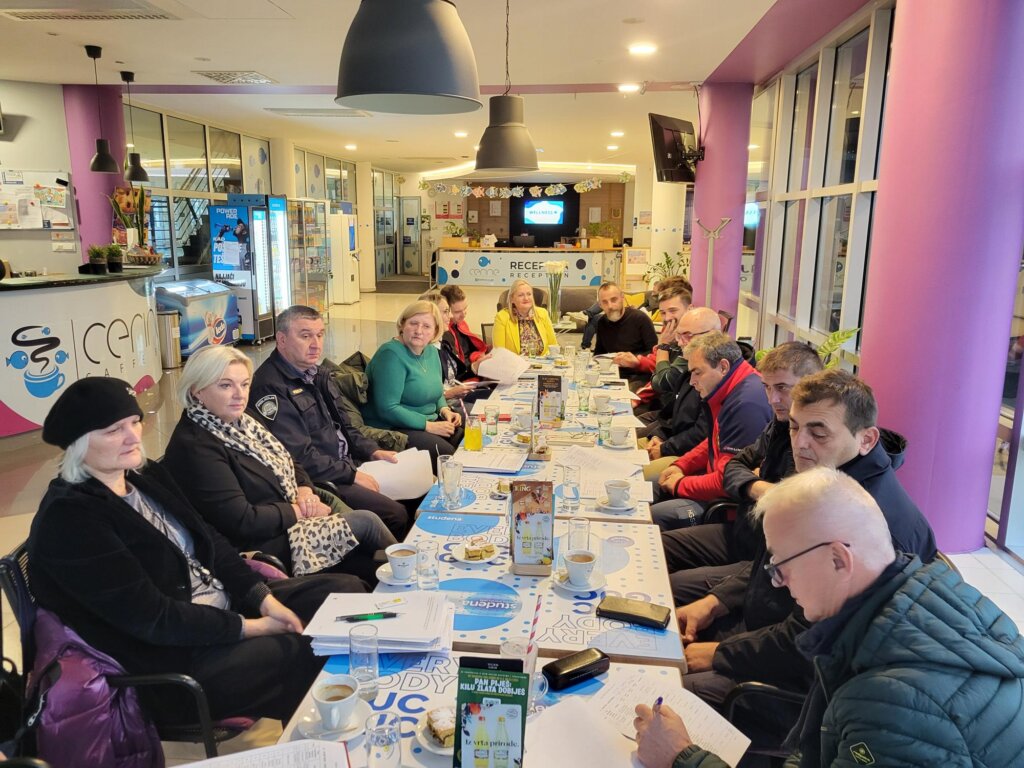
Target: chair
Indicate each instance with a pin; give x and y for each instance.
(15, 584)
(777, 698)
(487, 333)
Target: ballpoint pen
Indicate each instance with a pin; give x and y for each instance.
(367, 616)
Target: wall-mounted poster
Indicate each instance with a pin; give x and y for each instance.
(473, 216)
(442, 209)
(495, 207)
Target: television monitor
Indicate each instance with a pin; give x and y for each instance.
(544, 212)
(523, 241)
(675, 149)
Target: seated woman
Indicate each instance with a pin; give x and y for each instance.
(120, 556)
(406, 392)
(243, 481)
(521, 327)
(466, 345)
(461, 382)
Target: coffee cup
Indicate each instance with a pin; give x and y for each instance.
(579, 566)
(606, 364)
(601, 401)
(336, 697)
(402, 558)
(593, 378)
(618, 492)
(619, 435)
(522, 415)
(554, 350)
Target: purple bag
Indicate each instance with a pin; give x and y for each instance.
(86, 722)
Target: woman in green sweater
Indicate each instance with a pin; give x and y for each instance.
(406, 391)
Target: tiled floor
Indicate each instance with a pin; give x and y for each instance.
(27, 465)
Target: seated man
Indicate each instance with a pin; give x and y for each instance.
(674, 298)
(296, 399)
(701, 556)
(738, 410)
(468, 347)
(913, 666)
(622, 328)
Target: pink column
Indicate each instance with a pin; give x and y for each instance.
(945, 252)
(720, 190)
(92, 189)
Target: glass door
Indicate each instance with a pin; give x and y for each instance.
(297, 252)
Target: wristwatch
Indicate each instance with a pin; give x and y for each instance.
(666, 347)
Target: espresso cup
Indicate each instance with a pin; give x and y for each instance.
(554, 350)
(606, 365)
(579, 566)
(522, 416)
(618, 492)
(593, 378)
(619, 435)
(601, 401)
(336, 697)
(402, 558)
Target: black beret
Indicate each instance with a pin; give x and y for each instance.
(89, 404)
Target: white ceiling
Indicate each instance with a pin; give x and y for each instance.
(575, 51)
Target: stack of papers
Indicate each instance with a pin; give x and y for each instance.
(503, 366)
(425, 622)
(503, 461)
(408, 478)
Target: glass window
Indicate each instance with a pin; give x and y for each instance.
(1015, 348)
(753, 247)
(792, 238)
(830, 266)
(803, 117)
(762, 131)
(300, 173)
(315, 186)
(256, 166)
(378, 189)
(348, 182)
(187, 154)
(226, 161)
(160, 227)
(332, 171)
(389, 190)
(864, 277)
(191, 230)
(847, 102)
(149, 142)
(885, 94)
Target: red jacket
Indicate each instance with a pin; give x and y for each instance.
(479, 348)
(739, 413)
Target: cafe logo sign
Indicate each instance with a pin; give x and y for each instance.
(42, 374)
(480, 604)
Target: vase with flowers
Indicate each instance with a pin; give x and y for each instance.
(555, 271)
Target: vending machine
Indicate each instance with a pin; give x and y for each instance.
(341, 231)
(308, 254)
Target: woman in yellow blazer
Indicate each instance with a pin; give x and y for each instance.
(521, 327)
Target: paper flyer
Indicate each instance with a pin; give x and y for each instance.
(550, 399)
(533, 519)
(491, 705)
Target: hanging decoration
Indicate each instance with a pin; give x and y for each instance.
(503, 193)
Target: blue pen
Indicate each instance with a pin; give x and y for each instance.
(657, 705)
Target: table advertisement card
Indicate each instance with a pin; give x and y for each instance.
(533, 520)
(550, 399)
(492, 718)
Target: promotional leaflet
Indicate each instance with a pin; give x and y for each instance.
(533, 519)
(550, 399)
(491, 705)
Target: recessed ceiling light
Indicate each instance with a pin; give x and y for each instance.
(612, 147)
(130, 145)
(642, 49)
(461, 134)
(617, 134)
(629, 88)
(350, 147)
(855, 112)
(391, 141)
(476, 147)
(540, 149)
(753, 146)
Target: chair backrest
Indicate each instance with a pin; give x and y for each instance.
(487, 333)
(15, 584)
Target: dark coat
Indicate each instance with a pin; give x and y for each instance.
(123, 585)
(235, 493)
(685, 421)
(305, 418)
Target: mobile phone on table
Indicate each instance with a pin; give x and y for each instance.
(634, 611)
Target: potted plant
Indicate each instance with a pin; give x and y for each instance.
(669, 266)
(97, 260)
(115, 258)
(828, 351)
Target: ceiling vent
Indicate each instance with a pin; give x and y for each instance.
(85, 10)
(317, 112)
(235, 77)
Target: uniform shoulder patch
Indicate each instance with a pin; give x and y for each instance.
(861, 754)
(267, 406)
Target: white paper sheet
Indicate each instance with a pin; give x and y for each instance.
(573, 733)
(503, 366)
(505, 461)
(294, 754)
(410, 478)
(708, 729)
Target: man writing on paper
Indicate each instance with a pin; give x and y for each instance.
(913, 667)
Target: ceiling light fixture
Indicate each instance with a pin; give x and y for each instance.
(617, 134)
(612, 147)
(461, 134)
(102, 161)
(409, 57)
(629, 88)
(506, 144)
(350, 147)
(643, 49)
(134, 171)
(753, 146)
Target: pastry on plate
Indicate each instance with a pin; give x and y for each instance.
(441, 724)
(477, 548)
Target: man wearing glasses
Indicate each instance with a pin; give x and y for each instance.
(912, 666)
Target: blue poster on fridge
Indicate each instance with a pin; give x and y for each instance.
(229, 227)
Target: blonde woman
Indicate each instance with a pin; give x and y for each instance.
(522, 327)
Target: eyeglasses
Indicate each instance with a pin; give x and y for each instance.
(687, 336)
(772, 569)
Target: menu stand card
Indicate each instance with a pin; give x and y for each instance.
(533, 527)
(550, 399)
(491, 706)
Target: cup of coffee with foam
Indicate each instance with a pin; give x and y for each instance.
(335, 697)
(579, 566)
(618, 492)
(618, 435)
(402, 558)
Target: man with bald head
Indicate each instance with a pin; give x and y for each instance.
(913, 667)
(622, 328)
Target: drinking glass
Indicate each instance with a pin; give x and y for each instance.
(383, 740)
(426, 565)
(579, 534)
(583, 392)
(604, 426)
(451, 484)
(473, 440)
(515, 648)
(571, 488)
(491, 413)
(362, 639)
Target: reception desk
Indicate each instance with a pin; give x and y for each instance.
(499, 267)
(58, 329)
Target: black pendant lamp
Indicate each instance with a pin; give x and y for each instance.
(409, 57)
(102, 161)
(134, 171)
(506, 144)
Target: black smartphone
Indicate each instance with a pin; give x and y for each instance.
(634, 611)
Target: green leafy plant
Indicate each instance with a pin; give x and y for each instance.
(97, 254)
(829, 349)
(669, 266)
(454, 229)
(114, 254)
(602, 229)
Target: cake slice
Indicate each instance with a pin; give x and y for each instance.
(477, 548)
(441, 722)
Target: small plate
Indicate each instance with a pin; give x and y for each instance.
(459, 553)
(385, 576)
(602, 502)
(625, 446)
(560, 580)
(310, 726)
(428, 742)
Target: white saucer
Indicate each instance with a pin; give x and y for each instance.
(427, 741)
(310, 726)
(560, 580)
(385, 576)
(602, 503)
(624, 447)
(459, 553)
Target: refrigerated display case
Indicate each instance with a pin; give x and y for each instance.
(344, 250)
(308, 253)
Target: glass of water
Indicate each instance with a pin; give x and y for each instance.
(571, 488)
(604, 426)
(491, 415)
(450, 483)
(362, 639)
(516, 648)
(583, 393)
(426, 564)
(383, 741)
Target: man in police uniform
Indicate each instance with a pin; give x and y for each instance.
(295, 399)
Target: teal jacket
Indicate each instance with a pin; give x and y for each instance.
(406, 390)
(928, 672)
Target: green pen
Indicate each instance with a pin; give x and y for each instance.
(367, 616)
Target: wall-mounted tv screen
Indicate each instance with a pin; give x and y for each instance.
(543, 212)
(675, 144)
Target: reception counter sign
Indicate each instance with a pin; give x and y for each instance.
(491, 267)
